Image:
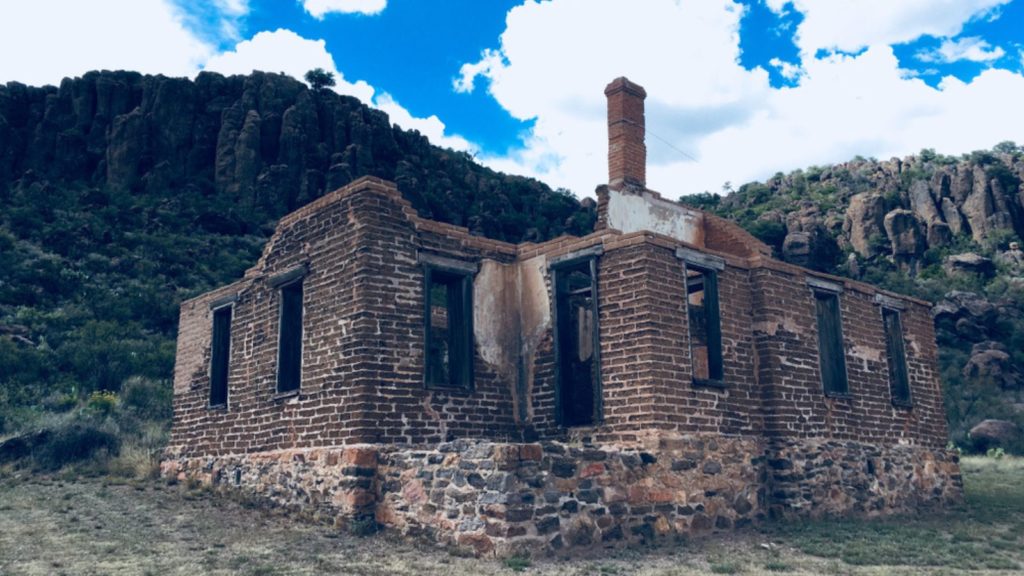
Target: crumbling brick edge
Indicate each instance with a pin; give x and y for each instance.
(502, 499)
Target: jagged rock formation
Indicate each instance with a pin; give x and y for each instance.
(264, 143)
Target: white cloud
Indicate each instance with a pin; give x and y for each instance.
(432, 127)
(972, 48)
(44, 41)
(489, 61)
(287, 52)
(701, 103)
(320, 8)
(788, 70)
(850, 25)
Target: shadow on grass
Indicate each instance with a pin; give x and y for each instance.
(986, 533)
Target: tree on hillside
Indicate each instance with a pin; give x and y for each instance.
(319, 78)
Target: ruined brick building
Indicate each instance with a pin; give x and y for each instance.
(662, 375)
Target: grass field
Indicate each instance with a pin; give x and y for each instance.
(63, 525)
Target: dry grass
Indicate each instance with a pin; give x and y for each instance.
(93, 526)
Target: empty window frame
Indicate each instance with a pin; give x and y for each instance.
(577, 348)
(289, 345)
(899, 381)
(705, 324)
(220, 351)
(831, 352)
(448, 328)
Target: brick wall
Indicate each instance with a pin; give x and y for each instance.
(362, 248)
(362, 342)
(363, 345)
(785, 331)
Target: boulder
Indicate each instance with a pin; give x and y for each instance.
(864, 223)
(904, 234)
(970, 263)
(922, 204)
(954, 219)
(1012, 258)
(967, 315)
(991, 433)
(939, 234)
(989, 206)
(125, 151)
(990, 361)
(796, 247)
(962, 184)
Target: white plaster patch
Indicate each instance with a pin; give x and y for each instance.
(495, 318)
(633, 213)
(867, 354)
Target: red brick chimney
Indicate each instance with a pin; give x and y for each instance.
(627, 154)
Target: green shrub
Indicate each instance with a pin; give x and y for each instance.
(148, 399)
(102, 402)
(517, 563)
(77, 441)
(363, 526)
(60, 402)
(769, 232)
(995, 453)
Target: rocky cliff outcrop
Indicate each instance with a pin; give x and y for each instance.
(898, 208)
(264, 143)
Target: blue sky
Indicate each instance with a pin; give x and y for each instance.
(737, 90)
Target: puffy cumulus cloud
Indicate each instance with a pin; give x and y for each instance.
(708, 119)
(287, 52)
(320, 8)
(44, 41)
(552, 70)
(850, 25)
(432, 127)
(973, 48)
(850, 105)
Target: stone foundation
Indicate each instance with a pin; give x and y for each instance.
(536, 498)
(817, 478)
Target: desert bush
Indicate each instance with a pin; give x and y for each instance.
(78, 440)
(148, 399)
(60, 402)
(102, 402)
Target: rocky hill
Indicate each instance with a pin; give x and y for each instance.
(121, 194)
(943, 228)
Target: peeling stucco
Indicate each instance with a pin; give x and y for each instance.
(496, 317)
(535, 314)
(630, 212)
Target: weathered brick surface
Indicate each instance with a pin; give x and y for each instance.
(785, 332)
(362, 395)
